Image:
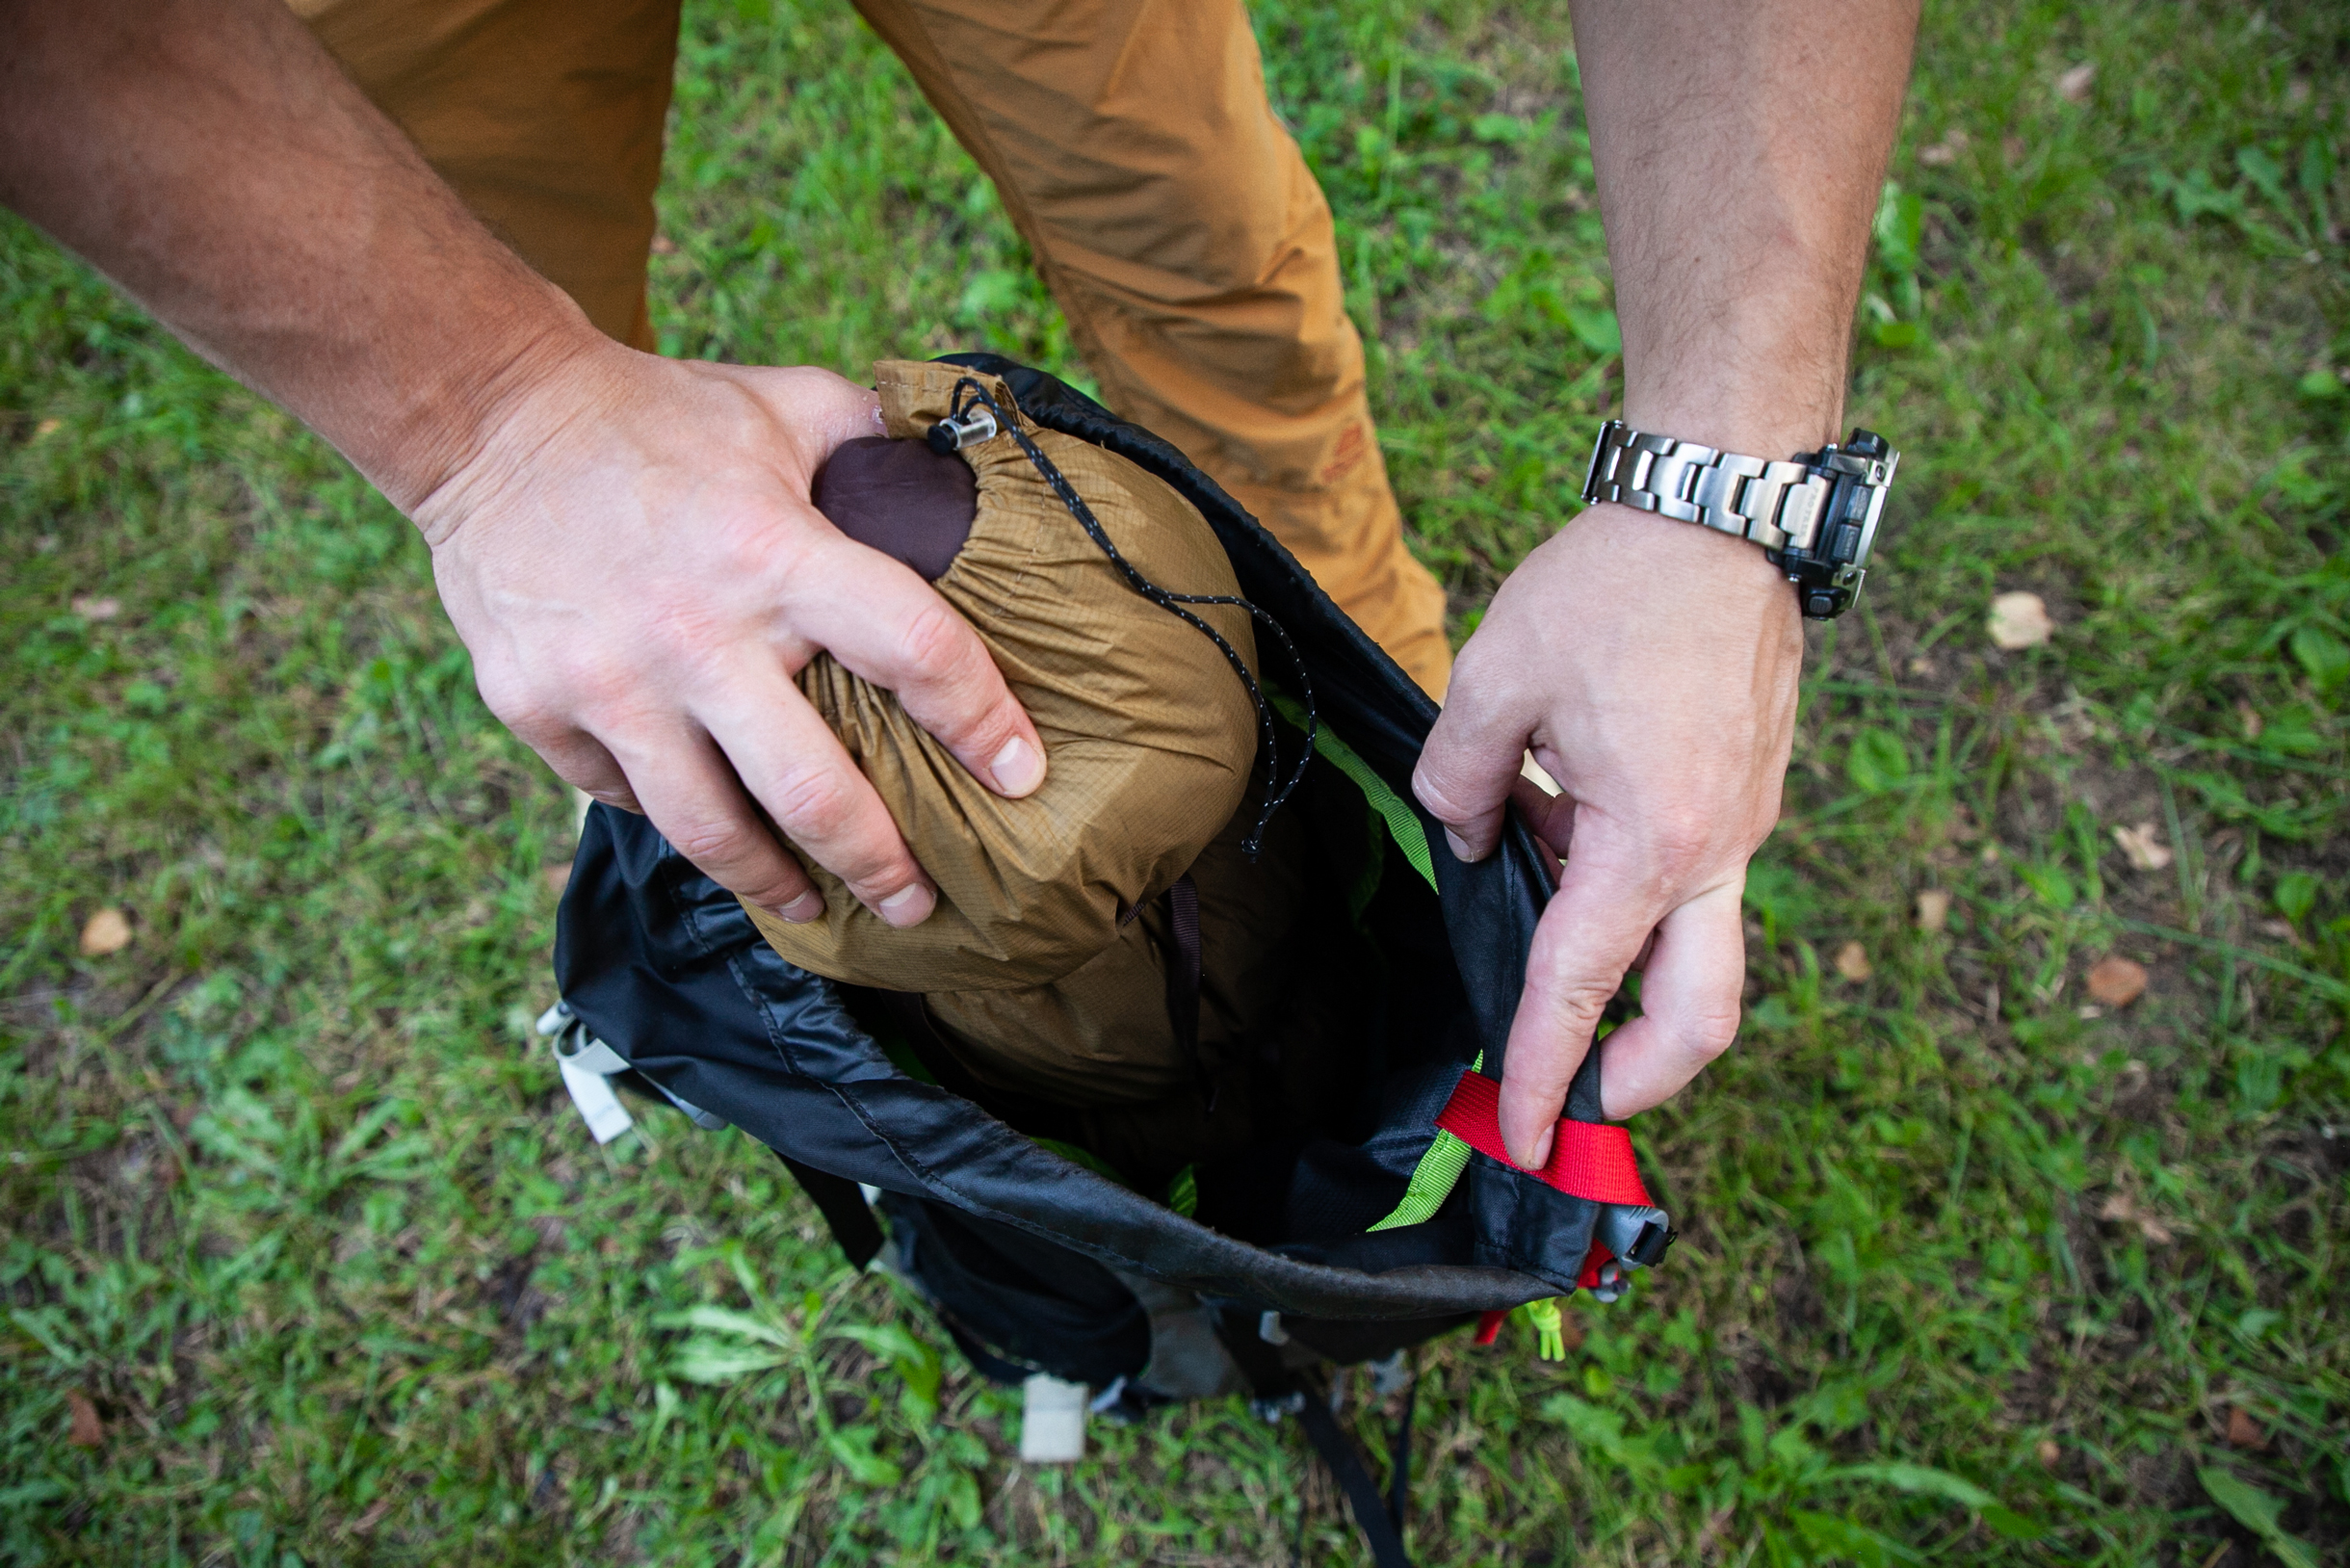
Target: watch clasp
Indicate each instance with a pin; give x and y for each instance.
(1828, 577)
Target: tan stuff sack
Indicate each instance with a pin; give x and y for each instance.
(1106, 944)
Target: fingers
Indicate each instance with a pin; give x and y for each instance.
(1587, 938)
(1690, 1000)
(1469, 768)
(687, 788)
(581, 761)
(887, 625)
(1550, 816)
(790, 760)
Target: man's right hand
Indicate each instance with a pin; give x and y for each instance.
(624, 542)
(631, 557)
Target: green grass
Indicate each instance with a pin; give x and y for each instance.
(1966, 1275)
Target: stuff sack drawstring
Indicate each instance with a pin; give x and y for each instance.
(974, 417)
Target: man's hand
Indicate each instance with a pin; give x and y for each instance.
(1738, 147)
(1651, 665)
(633, 559)
(626, 543)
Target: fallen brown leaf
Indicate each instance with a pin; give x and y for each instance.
(2116, 982)
(2073, 87)
(47, 426)
(86, 1430)
(1945, 152)
(2141, 847)
(2012, 147)
(93, 608)
(2249, 717)
(2283, 931)
(1933, 909)
(2048, 1453)
(368, 1520)
(107, 932)
(2123, 1210)
(2020, 620)
(2244, 1432)
(1852, 961)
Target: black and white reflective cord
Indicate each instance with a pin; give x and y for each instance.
(959, 430)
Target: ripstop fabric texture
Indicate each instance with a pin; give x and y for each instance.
(1046, 966)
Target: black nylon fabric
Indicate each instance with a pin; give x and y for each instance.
(664, 965)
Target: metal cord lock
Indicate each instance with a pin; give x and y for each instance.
(964, 427)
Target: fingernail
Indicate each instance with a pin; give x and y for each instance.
(1459, 846)
(1018, 768)
(910, 905)
(800, 910)
(1542, 1148)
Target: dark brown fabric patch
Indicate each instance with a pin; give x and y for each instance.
(901, 498)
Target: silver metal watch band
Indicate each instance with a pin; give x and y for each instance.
(1777, 505)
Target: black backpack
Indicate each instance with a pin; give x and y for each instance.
(1371, 1230)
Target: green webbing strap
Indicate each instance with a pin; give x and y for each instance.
(1402, 821)
(1432, 1181)
(1432, 1178)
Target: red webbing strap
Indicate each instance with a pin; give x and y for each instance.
(1588, 1160)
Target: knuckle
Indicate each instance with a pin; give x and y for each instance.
(1711, 1031)
(1680, 837)
(1576, 998)
(772, 891)
(814, 804)
(599, 684)
(934, 641)
(514, 702)
(710, 844)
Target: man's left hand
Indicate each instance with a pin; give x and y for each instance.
(1651, 667)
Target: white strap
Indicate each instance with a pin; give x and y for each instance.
(1052, 1422)
(607, 1118)
(586, 1062)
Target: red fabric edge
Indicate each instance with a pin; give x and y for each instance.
(1588, 1160)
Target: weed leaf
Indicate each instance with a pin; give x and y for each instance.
(2257, 1512)
(717, 1361)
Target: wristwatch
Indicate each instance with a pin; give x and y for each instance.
(1816, 517)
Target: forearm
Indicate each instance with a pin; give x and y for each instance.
(1739, 149)
(210, 158)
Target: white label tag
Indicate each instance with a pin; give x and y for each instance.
(607, 1118)
(1052, 1422)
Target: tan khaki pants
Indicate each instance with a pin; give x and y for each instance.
(1131, 140)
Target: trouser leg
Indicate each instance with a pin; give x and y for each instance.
(546, 117)
(1191, 251)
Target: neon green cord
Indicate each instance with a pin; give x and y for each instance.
(1542, 1316)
